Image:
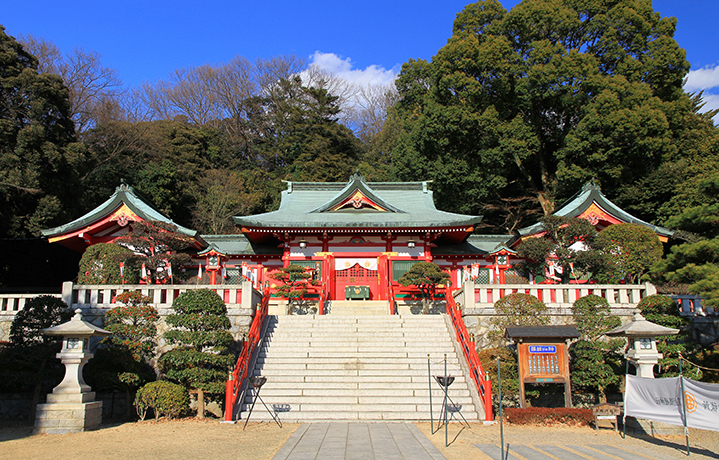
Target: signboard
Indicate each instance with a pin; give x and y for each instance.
(543, 363)
(537, 363)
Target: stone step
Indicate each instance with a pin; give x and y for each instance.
(360, 381)
(337, 372)
(364, 319)
(361, 399)
(373, 336)
(276, 390)
(405, 344)
(339, 358)
(293, 416)
(377, 340)
(398, 366)
(389, 406)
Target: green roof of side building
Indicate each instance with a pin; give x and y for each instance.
(589, 194)
(397, 205)
(124, 194)
(238, 244)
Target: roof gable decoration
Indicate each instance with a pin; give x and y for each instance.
(502, 250)
(358, 201)
(595, 214)
(357, 196)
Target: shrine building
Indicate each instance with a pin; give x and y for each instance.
(358, 233)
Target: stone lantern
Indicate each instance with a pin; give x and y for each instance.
(71, 407)
(641, 335)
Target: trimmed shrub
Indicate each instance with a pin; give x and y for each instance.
(517, 309)
(593, 317)
(664, 311)
(100, 264)
(200, 332)
(164, 398)
(549, 416)
(39, 313)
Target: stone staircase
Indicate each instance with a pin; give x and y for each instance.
(358, 307)
(366, 368)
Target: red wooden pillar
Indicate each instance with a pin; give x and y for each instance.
(328, 276)
(383, 266)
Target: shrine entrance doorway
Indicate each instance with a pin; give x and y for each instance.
(357, 283)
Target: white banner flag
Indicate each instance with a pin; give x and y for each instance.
(654, 399)
(702, 404)
(660, 400)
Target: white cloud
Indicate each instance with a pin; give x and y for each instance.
(706, 80)
(702, 79)
(343, 68)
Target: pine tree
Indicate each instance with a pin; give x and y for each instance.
(200, 331)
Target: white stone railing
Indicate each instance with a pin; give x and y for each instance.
(162, 295)
(558, 297)
(10, 304)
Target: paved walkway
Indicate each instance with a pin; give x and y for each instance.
(565, 452)
(358, 441)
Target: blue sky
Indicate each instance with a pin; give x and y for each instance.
(367, 39)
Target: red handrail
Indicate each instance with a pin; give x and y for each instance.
(238, 376)
(470, 353)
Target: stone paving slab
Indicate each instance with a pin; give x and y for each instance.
(358, 441)
(568, 452)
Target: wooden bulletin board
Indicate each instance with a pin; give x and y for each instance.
(543, 355)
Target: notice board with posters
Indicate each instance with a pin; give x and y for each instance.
(543, 355)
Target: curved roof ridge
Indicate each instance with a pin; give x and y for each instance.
(356, 183)
(124, 194)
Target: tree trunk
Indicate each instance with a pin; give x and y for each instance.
(200, 404)
(602, 396)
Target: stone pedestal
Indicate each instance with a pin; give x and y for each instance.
(68, 413)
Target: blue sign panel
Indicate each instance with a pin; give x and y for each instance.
(542, 348)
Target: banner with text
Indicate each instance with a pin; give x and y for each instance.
(660, 400)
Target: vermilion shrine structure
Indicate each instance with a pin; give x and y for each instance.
(353, 237)
(356, 239)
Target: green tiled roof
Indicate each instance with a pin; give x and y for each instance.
(582, 200)
(309, 204)
(474, 245)
(123, 194)
(238, 244)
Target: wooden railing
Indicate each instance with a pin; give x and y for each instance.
(470, 353)
(236, 382)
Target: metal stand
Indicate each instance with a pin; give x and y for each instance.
(256, 383)
(448, 406)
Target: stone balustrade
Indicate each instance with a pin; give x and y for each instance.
(95, 300)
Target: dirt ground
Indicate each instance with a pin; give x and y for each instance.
(150, 440)
(193, 439)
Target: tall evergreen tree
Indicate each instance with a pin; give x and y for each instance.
(532, 103)
(36, 179)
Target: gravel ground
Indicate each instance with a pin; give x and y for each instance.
(194, 439)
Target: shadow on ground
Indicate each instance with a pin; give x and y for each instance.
(678, 446)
